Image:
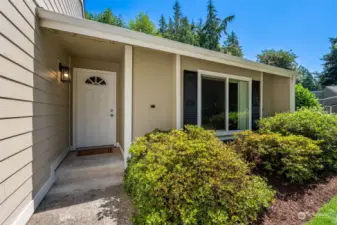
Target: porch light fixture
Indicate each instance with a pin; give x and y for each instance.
(65, 73)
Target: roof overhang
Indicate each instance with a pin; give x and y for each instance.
(56, 21)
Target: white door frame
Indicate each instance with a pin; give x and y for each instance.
(74, 95)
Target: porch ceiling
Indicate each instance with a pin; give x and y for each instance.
(88, 47)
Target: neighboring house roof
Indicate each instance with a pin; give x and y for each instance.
(53, 20)
(328, 96)
(332, 88)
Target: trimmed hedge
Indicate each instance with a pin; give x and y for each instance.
(189, 176)
(295, 158)
(313, 123)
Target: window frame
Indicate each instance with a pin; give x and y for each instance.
(226, 77)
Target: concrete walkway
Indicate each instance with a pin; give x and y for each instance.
(88, 190)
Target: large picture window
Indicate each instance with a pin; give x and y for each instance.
(224, 102)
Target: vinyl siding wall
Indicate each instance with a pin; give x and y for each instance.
(67, 7)
(34, 104)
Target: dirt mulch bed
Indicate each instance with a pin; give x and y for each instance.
(297, 204)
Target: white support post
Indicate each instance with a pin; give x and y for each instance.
(227, 104)
(127, 101)
(250, 83)
(261, 95)
(178, 91)
(292, 93)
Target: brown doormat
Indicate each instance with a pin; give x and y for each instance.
(95, 151)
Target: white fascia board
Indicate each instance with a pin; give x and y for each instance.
(57, 21)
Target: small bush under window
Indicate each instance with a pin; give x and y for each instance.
(292, 158)
(312, 123)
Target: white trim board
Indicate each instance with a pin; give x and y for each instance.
(178, 91)
(57, 21)
(127, 101)
(74, 91)
(29, 210)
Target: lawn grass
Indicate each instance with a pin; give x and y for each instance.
(327, 215)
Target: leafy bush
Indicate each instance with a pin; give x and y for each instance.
(312, 123)
(296, 158)
(305, 98)
(190, 177)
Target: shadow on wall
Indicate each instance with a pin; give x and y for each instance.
(51, 114)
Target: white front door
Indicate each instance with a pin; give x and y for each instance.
(95, 108)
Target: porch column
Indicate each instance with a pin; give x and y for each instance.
(261, 95)
(177, 88)
(292, 93)
(127, 102)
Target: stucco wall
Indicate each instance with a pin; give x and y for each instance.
(152, 85)
(276, 94)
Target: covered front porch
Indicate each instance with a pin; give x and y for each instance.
(100, 93)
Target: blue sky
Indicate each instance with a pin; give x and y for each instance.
(303, 26)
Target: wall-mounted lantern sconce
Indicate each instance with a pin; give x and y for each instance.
(65, 73)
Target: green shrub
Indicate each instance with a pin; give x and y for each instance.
(312, 123)
(189, 177)
(295, 158)
(305, 98)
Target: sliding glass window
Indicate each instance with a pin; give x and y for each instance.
(224, 102)
(213, 103)
(238, 104)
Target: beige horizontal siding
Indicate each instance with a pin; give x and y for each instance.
(10, 185)
(14, 215)
(68, 7)
(34, 104)
(11, 203)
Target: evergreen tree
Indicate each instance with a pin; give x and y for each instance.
(231, 45)
(186, 34)
(213, 28)
(170, 29)
(177, 16)
(142, 23)
(329, 75)
(197, 32)
(162, 26)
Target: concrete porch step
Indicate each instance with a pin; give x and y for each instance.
(90, 167)
(80, 185)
